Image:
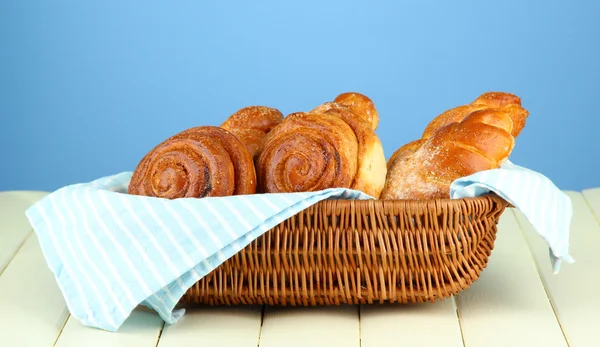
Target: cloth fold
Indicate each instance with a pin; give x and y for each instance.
(546, 207)
(110, 251)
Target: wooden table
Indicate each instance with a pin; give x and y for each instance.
(516, 302)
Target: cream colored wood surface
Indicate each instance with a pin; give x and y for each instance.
(507, 305)
(592, 198)
(574, 290)
(14, 226)
(32, 309)
(215, 326)
(427, 324)
(141, 329)
(311, 326)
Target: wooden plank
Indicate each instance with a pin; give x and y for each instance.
(574, 290)
(33, 309)
(215, 326)
(311, 326)
(424, 324)
(141, 329)
(14, 226)
(592, 198)
(30, 195)
(508, 305)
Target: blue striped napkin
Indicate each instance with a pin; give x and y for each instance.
(110, 251)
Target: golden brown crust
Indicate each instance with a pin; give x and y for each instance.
(507, 102)
(307, 152)
(371, 173)
(405, 150)
(197, 162)
(448, 117)
(361, 105)
(251, 138)
(497, 99)
(519, 117)
(251, 124)
(481, 141)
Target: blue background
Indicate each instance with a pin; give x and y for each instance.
(87, 88)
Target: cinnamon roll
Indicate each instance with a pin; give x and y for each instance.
(197, 162)
(307, 152)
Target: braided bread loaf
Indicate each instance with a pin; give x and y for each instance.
(458, 143)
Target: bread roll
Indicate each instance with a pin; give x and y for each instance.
(332, 146)
(361, 105)
(251, 124)
(195, 163)
(371, 171)
(307, 152)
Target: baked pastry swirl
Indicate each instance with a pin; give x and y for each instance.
(197, 162)
(307, 152)
(332, 146)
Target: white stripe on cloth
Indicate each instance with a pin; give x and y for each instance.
(95, 245)
(165, 258)
(85, 299)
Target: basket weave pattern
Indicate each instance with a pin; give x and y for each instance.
(357, 251)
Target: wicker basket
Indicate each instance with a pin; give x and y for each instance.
(357, 251)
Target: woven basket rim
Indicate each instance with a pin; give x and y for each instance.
(425, 203)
